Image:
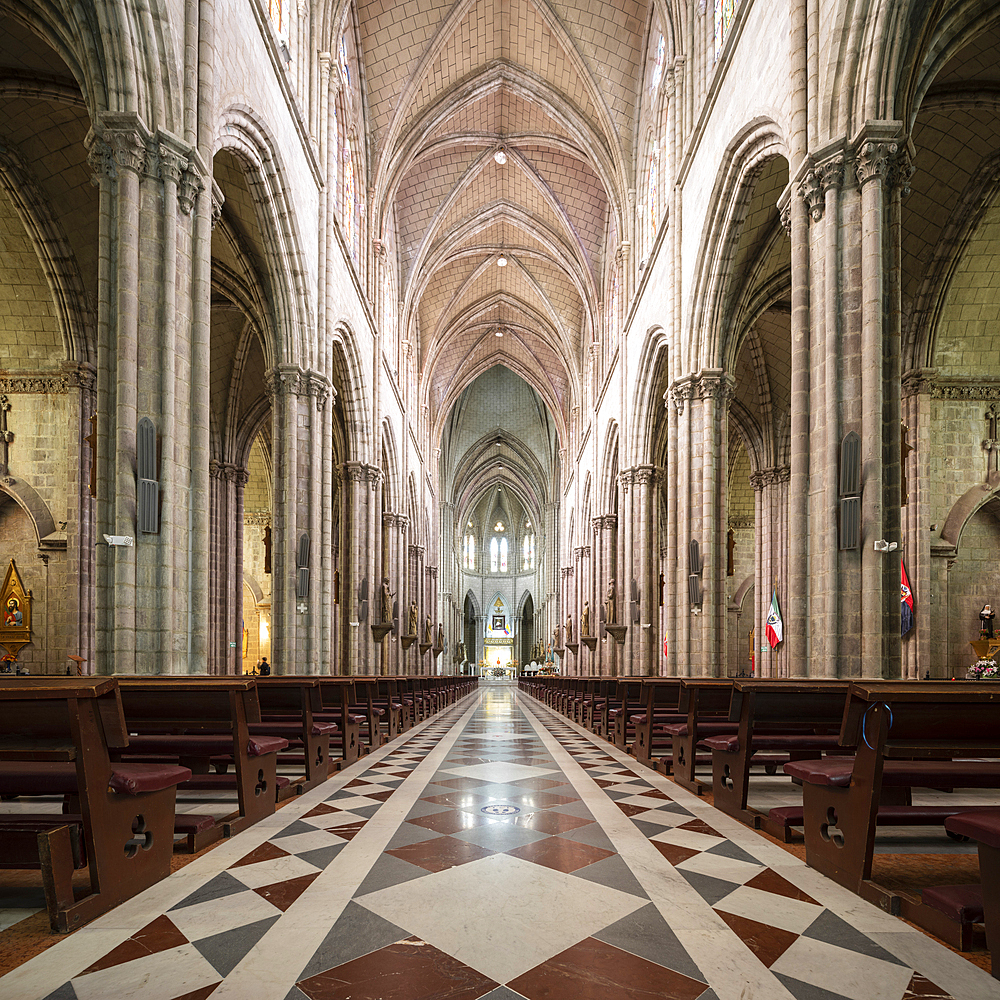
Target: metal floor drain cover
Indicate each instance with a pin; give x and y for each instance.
(500, 810)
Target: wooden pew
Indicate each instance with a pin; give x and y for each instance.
(907, 735)
(705, 703)
(629, 699)
(796, 719)
(660, 697)
(193, 719)
(58, 736)
(337, 695)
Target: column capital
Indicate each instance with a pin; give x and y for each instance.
(810, 190)
(680, 392)
(128, 139)
(919, 382)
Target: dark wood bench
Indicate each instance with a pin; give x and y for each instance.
(782, 719)
(628, 696)
(336, 696)
(908, 735)
(653, 744)
(196, 720)
(59, 734)
(704, 701)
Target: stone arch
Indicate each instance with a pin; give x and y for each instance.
(352, 394)
(33, 505)
(392, 494)
(243, 133)
(757, 143)
(76, 316)
(610, 467)
(654, 359)
(964, 509)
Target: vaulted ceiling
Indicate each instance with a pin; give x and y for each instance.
(502, 131)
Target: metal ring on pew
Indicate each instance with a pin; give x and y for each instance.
(864, 720)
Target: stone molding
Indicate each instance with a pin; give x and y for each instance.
(918, 382)
(971, 390)
(606, 522)
(741, 522)
(770, 477)
(874, 159)
(416, 551)
(48, 383)
(712, 383)
(400, 521)
(258, 518)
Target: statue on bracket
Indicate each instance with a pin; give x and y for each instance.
(611, 604)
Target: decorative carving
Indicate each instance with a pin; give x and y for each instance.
(680, 392)
(973, 390)
(873, 159)
(831, 172)
(918, 382)
(811, 191)
(785, 218)
(41, 383)
(901, 171)
(190, 187)
(127, 147)
(100, 160)
(715, 384)
(257, 518)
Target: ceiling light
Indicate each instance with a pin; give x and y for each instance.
(501, 261)
(499, 332)
(500, 156)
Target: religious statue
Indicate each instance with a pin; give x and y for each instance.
(386, 601)
(411, 620)
(585, 619)
(611, 604)
(428, 631)
(569, 629)
(440, 639)
(555, 638)
(461, 652)
(986, 617)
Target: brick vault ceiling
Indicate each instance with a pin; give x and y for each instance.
(554, 85)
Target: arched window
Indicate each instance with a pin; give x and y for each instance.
(503, 555)
(494, 554)
(469, 552)
(349, 207)
(345, 67)
(724, 12)
(652, 196)
(528, 549)
(657, 66)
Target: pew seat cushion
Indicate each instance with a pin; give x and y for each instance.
(59, 778)
(836, 773)
(961, 903)
(983, 826)
(771, 741)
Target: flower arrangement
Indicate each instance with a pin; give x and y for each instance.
(7, 663)
(983, 670)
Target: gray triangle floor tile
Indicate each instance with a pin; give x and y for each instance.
(709, 994)
(425, 809)
(501, 993)
(674, 807)
(222, 885)
(592, 835)
(366, 811)
(614, 873)
(830, 928)
(66, 992)
(296, 994)
(806, 991)
(645, 933)
(389, 870)
(226, 950)
(710, 889)
(648, 829)
(322, 856)
(727, 849)
(577, 809)
(358, 932)
(615, 796)
(294, 829)
(410, 833)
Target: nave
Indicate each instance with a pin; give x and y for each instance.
(497, 851)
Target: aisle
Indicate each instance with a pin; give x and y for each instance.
(497, 851)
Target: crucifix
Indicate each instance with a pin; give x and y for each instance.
(91, 439)
(904, 451)
(730, 548)
(6, 436)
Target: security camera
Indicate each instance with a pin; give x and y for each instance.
(119, 539)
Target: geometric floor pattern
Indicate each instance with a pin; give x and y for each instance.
(498, 852)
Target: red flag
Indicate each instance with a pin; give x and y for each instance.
(906, 601)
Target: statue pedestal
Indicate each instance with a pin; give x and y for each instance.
(423, 647)
(574, 648)
(381, 630)
(985, 648)
(407, 640)
(590, 641)
(560, 651)
(617, 632)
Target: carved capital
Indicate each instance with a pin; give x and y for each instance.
(283, 380)
(757, 481)
(257, 518)
(873, 159)
(100, 160)
(379, 251)
(901, 171)
(831, 172)
(171, 164)
(785, 218)
(715, 384)
(811, 191)
(319, 387)
(128, 147)
(82, 376)
(680, 392)
(190, 187)
(919, 382)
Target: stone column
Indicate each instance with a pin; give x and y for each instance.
(875, 151)
(681, 393)
(357, 565)
(317, 619)
(606, 544)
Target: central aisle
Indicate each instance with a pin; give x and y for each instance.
(497, 851)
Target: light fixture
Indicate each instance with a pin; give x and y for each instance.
(499, 332)
(500, 156)
(501, 261)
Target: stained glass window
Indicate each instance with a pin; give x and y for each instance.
(503, 555)
(658, 65)
(276, 12)
(350, 198)
(653, 195)
(724, 11)
(494, 555)
(344, 67)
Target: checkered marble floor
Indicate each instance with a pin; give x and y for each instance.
(497, 851)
